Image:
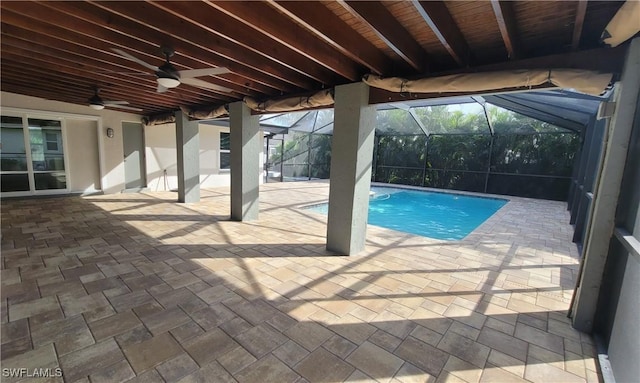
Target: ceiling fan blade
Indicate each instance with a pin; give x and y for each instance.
(204, 84)
(190, 73)
(116, 102)
(134, 59)
(161, 89)
(124, 107)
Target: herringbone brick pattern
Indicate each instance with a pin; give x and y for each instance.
(136, 287)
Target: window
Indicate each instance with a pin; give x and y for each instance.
(52, 142)
(32, 155)
(225, 151)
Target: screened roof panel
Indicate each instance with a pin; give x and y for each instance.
(396, 122)
(430, 102)
(558, 117)
(570, 104)
(536, 111)
(454, 119)
(274, 129)
(324, 118)
(505, 121)
(284, 120)
(269, 116)
(327, 129)
(306, 123)
(568, 94)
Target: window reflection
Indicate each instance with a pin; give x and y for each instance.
(47, 155)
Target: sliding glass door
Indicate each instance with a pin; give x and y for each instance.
(31, 156)
(14, 174)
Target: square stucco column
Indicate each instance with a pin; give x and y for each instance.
(188, 148)
(245, 155)
(351, 159)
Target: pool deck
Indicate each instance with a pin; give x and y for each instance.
(136, 287)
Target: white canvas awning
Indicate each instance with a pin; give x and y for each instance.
(319, 99)
(205, 113)
(624, 25)
(159, 119)
(584, 81)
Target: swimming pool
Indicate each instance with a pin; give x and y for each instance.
(430, 214)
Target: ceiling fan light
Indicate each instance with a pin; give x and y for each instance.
(95, 102)
(168, 82)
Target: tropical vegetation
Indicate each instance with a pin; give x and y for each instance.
(464, 147)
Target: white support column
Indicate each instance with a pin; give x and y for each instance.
(351, 159)
(245, 155)
(601, 222)
(188, 148)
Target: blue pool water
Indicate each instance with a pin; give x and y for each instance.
(429, 214)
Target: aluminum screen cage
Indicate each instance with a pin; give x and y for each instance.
(521, 144)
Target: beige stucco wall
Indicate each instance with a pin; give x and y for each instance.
(113, 167)
(84, 161)
(160, 154)
(84, 140)
(160, 141)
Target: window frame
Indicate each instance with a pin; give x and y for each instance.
(221, 151)
(31, 172)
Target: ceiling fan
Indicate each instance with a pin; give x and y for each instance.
(169, 77)
(97, 103)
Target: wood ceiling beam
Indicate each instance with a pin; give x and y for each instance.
(60, 91)
(191, 40)
(107, 58)
(438, 18)
(78, 41)
(44, 65)
(142, 39)
(50, 60)
(505, 16)
(9, 86)
(104, 34)
(37, 77)
(100, 64)
(85, 86)
(30, 76)
(327, 26)
(61, 86)
(33, 91)
(605, 60)
(263, 18)
(227, 27)
(581, 11)
(10, 69)
(389, 29)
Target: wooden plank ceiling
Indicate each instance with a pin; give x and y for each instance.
(63, 50)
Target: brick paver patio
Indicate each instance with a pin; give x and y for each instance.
(136, 287)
